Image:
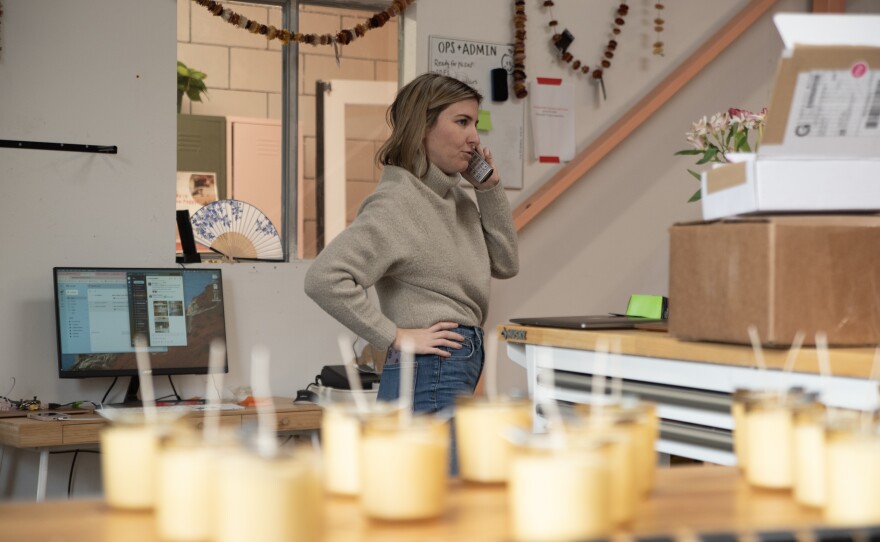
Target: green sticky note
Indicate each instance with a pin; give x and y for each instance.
(484, 121)
(647, 306)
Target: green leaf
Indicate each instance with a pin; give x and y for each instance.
(708, 156)
(195, 74)
(695, 175)
(194, 94)
(696, 197)
(688, 152)
(730, 133)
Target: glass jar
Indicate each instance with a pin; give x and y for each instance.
(808, 450)
(186, 469)
(625, 430)
(405, 467)
(480, 425)
(277, 498)
(853, 472)
(559, 489)
(769, 440)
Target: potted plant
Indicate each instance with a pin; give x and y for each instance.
(190, 82)
(726, 132)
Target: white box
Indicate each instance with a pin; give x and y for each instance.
(821, 145)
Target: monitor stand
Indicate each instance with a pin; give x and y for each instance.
(131, 394)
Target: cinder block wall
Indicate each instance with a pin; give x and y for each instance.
(244, 79)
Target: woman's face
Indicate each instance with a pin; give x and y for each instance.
(451, 140)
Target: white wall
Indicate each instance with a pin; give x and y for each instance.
(606, 237)
(100, 72)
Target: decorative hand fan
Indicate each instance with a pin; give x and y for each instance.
(238, 230)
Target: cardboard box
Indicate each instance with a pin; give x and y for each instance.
(820, 149)
(780, 274)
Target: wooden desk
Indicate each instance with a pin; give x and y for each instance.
(84, 429)
(691, 382)
(687, 500)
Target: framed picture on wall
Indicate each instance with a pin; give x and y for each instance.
(195, 189)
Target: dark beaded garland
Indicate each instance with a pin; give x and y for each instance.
(608, 53)
(519, 49)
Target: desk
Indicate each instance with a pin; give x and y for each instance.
(691, 382)
(686, 500)
(84, 429)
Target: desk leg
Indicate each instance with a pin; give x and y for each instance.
(42, 474)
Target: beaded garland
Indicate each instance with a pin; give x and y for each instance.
(519, 49)
(343, 37)
(577, 64)
(658, 28)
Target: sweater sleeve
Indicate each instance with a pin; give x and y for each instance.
(499, 231)
(340, 276)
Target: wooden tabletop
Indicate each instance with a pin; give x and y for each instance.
(849, 362)
(84, 428)
(686, 500)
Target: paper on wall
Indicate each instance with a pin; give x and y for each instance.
(552, 106)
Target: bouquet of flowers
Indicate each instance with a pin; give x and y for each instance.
(714, 137)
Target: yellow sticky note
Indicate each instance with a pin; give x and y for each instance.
(484, 121)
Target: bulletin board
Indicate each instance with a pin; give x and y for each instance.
(472, 62)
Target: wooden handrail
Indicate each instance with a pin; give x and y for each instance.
(639, 113)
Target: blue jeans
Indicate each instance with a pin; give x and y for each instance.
(438, 380)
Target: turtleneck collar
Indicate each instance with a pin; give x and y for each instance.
(439, 182)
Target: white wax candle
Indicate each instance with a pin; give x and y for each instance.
(185, 505)
(769, 438)
(630, 444)
(853, 478)
(648, 431)
(267, 499)
(559, 495)
(341, 450)
(483, 451)
(809, 454)
(128, 465)
(404, 469)
(738, 411)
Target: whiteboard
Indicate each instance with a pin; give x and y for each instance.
(472, 62)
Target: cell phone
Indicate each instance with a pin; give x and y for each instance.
(47, 416)
(478, 169)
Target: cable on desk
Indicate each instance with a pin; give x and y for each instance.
(176, 395)
(103, 399)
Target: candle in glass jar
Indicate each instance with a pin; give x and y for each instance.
(128, 465)
(853, 475)
(341, 449)
(270, 499)
(186, 475)
(626, 439)
(480, 423)
(560, 492)
(404, 469)
(809, 453)
(738, 412)
(769, 442)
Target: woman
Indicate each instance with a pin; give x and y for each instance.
(426, 247)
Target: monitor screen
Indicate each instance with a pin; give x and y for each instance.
(100, 311)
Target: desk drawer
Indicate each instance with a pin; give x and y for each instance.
(289, 421)
(84, 433)
(226, 422)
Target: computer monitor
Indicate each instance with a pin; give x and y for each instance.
(100, 311)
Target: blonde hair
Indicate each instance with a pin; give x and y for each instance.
(415, 109)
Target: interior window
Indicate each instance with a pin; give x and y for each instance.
(231, 137)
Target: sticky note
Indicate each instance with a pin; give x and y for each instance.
(484, 121)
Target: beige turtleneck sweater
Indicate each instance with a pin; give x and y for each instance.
(427, 248)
